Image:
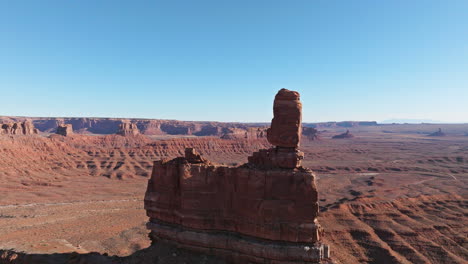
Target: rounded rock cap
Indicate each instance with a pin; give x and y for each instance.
(285, 94)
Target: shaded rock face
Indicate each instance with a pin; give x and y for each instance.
(128, 129)
(310, 133)
(438, 133)
(285, 130)
(65, 129)
(264, 211)
(18, 128)
(344, 135)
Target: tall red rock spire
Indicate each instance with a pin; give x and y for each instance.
(264, 211)
(286, 125)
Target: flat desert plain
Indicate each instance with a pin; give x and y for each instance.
(390, 194)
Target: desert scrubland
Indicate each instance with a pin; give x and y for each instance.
(389, 194)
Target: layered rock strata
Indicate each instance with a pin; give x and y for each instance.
(128, 129)
(264, 211)
(64, 129)
(247, 133)
(18, 128)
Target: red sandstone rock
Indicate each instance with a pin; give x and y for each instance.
(264, 211)
(128, 129)
(65, 129)
(18, 128)
(285, 130)
(192, 156)
(247, 133)
(253, 201)
(276, 158)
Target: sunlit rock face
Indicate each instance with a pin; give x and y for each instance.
(286, 126)
(264, 211)
(18, 128)
(128, 129)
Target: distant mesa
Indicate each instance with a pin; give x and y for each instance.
(344, 135)
(342, 124)
(310, 133)
(244, 133)
(128, 129)
(438, 133)
(64, 129)
(18, 128)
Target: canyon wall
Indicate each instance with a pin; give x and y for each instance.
(85, 125)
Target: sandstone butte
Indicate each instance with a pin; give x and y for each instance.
(18, 128)
(344, 135)
(264, 211)
(64, 129)
(310, 133)
(438, 133)
(128, 129)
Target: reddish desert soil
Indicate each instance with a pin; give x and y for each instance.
(389, 195)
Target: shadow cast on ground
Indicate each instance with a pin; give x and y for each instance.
(158, 253)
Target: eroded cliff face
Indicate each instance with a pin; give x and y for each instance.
(246, 133)
(128, 129)
(65, 130)
(264, 211)
(18, 128)
(235, 210)
(145, 126)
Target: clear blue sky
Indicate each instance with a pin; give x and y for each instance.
(224, 60)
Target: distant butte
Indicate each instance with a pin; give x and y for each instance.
(438, 133)
(128, 129)
(65, 129)
(344, 135)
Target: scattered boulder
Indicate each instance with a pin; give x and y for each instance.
(64, 129)
(128, 129)
(438, 133)
(18, 128)
(344, 135)
(264, 211)
(194, 157)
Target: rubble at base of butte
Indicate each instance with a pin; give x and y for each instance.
(344, 135)
(64, 130)
(18, 128)
(264, 211)
(128, 129)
